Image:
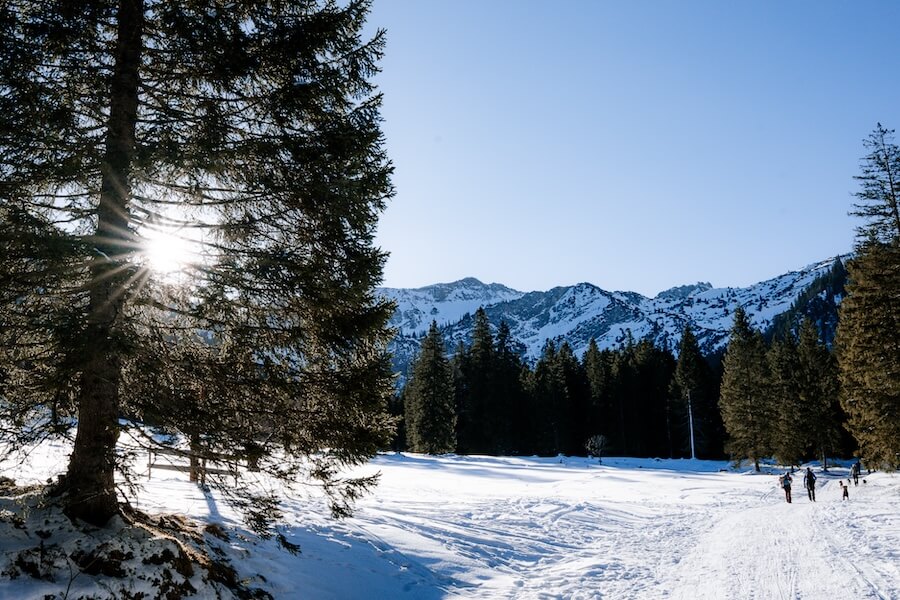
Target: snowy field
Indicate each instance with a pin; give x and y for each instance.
(484, 527)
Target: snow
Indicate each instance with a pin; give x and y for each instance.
(529, 528)
(584, 311)
(443, 302)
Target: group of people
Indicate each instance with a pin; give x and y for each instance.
(809, 482)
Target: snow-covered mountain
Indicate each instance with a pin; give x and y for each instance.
(580, 312)
(445, 303)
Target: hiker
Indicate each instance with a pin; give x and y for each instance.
(854, 470)
(846, 489)
(786, 484)
(809, 481)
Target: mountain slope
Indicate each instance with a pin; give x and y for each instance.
(445, 303)
(578, 313)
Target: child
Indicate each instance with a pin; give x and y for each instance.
(846, 489)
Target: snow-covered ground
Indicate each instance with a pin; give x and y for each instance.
(486, 527)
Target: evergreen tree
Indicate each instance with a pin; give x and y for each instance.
(598, 371)
(744, 398)
(397, 409)
(654, 369)
(622, 409)
(549, 402)
(249, 128)
(460, 393)
(429, 399)
(508, 399)
(572, 422)
(477, 418)
(819, 391)
(869, 352)
(637, 406)
(694, 415)
(526, 420)
(790, 428)
(868, 342)
(878, 200)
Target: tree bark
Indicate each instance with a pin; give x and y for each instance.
(89, 483)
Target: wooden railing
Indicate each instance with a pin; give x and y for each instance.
(199, 464)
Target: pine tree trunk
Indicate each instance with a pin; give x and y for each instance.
(194, 475)
(89, 483)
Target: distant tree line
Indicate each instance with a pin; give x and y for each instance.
(776, 399)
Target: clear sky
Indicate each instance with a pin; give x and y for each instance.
(636, 145)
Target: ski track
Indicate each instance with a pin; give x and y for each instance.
(826, 549)
(742, 540)
(556, 528)
(541, 548)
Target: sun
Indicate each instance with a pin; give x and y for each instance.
(167, 252)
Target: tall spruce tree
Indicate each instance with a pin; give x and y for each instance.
(878, 199)
(693, 416)
(790, 428)
(869, 351)
(654, 369)
(549, 402)
(460, 390)
(508, 395)
(476, 414)
(868, 342)
(397, 410)
(430, 404)
(250, 129)
(572, 421)
(818, 388)
(621, 401)
(744, 398)
(598, 371)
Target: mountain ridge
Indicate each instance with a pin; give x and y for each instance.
(582, 311)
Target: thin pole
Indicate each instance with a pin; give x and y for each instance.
(691, 419)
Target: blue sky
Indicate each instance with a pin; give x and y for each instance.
(636, 145)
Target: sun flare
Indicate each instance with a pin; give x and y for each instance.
(167, 252)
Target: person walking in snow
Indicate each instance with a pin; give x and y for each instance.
(786, 484)
(854, 470)
(809, 481)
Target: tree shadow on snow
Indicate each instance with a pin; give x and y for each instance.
(337, 562)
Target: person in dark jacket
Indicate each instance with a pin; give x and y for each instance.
(809, 482)
(786, 484)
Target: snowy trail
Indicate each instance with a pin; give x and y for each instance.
(549, 528)
(613, 532)
(826, 549)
